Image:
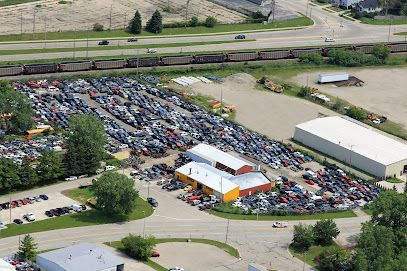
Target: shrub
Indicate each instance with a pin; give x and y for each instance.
(194, 22)
(138, 247)
(356, 113)
(314, 58)
(98, 27)
(348, 58)
(381, 52)
(324, 231)
(210, 21)
(303, 237)
(304, 91)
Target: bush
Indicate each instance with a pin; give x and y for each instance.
(138, 247)
(303, 237)
(324, 231)
(98, 27)
(381, 52)
(348, 58)
(357, 113)
(314, 58)
(193, 22)
(333, 259)
(304, 92)
(210, 21)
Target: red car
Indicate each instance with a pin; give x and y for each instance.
(24, 202)
(309, 182)
(283, 200)
(155, 253)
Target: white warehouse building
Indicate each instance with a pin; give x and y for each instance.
(356, 144)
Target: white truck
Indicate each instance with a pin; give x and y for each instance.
(331, 78)
(280, 224)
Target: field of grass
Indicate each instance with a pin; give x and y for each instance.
(401, 34)
(234, 28)
(383, 21)
(394, 180)
(225, 247)
(309, 255)
(118, 47)
(4, 3)
(341, 214)
(88, 218)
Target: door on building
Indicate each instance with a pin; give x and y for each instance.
(405, 169)
(199, 186)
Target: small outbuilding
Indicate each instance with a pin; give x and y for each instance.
(210, 155)
(252, 182)
(79, 257)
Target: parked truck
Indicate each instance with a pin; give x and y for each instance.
(331, 78)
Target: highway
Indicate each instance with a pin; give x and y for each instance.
(257, 241)
(326, 24)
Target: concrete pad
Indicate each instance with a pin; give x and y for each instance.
(193, 256)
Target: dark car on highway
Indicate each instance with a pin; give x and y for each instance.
(18, 221)
(153, 202)
(104, 42)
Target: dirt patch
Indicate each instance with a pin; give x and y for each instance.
(82, 14)
(384, 91)
(274, 115)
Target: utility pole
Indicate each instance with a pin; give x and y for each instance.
(186, 10)
(110, 18)
(221, 188)
(21, 24)
(148, 189)
(45, 32)
(87, 43)
(388, 38)
(144, 224)
(221, 100)
(137, 65)
(10, 208)
(74, 43)
(273, 4)
(34, 22)
(125, 20)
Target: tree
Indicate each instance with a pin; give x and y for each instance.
(303, 237)
(27, 249)
(85, 142)
(304, 91)
(210, 21)
(333, 258)
(16, 109)
(314, 58)
(324, 230)
(135, 25)
(115, 194)
(155, 24)
(98, 27)
(381, 52)
(194, 21)
(50, 166)
(9, 178)
(390, 210)
(375, 249)
(138, 247)
(27, 174)
(356, 113)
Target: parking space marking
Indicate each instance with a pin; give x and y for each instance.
(179, 219)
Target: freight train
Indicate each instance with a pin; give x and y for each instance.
(152, 61)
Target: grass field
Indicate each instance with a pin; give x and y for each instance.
(4, 3)
(342, 214)
(309, 255)
(383, 21)
(225, 247)
(119, 47)
(88, 218)
(394, 180)
(401, 34)
(234, 28)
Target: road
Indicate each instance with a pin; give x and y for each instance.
(325, 24)
(256, 241)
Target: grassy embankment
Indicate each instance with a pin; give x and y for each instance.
(309, 255)
(5, 3)
(199, 30)
(88, 218)
(396, 21)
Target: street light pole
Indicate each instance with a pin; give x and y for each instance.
(227, 231)
(10, 208)
(144, 224)
(148, 189)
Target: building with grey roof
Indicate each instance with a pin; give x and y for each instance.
(80, 257)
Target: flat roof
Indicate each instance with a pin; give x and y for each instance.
(82, 256)
(213, 154)
(208, 176)
(358, 138)
(249, 180)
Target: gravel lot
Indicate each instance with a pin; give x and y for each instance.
(271, 114)
(383, 92)
(81, 15)
(55, 200)
(193, 256)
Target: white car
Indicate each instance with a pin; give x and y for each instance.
(176, 269)
(151, 51)
(330, 40)
(279, 224)
(99, 170)
(29, 217)
(109, 168)
(71, 178)
(376, 121)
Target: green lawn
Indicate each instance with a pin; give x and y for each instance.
(383, 21)
(401, 34)
(341, 214)
(4, 3)
(118, 47)
(309, 255)
(394, 180)
(235, 28)
(225, 247)
(88, 218)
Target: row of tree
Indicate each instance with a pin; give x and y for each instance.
(155, 24)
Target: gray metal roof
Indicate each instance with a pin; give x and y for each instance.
(83, 256)
(250, 180)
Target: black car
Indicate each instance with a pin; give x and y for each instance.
(132, 40)
(104, 42)
(49, 213)
(83, 207)
(55, 212)
(44, 197)
(152, 201)
(18, 221)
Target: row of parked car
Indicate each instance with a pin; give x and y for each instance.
(22, 265)
(337, 192)
(22, 202)
(19, 149)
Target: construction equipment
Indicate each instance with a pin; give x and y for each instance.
(268, 83)
(228, 108)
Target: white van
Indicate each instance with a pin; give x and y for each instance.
(108, 168)
(280, 224)
(77, 208)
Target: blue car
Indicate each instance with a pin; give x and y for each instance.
(44, 197)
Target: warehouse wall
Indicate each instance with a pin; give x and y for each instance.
(340, 152)
(396, 169)
(252, 190)
(48, 265)
(231, 195)
(243, 170)
(199, 159)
